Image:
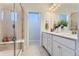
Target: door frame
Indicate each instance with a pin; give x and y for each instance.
(27, 31)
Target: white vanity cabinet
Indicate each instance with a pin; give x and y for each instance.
(58, 45)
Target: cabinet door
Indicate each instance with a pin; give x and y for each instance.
(56, 49)
(46, 41)
(52, 45)
(65, 41)
(66, 51)
(60, 50)
(43, 39)
(49, 43)
(48, 38)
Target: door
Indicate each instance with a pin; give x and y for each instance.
(34, 27)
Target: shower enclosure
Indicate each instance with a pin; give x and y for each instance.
(11, 30)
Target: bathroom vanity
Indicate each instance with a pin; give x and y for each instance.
(60, 44)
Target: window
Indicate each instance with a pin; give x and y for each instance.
(14, 16)
(63, 17)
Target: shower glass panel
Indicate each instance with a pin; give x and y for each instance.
(10, 28)
(6, 34)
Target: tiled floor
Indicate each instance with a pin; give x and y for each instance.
(32, 50)
(8, 52)
(35, 50)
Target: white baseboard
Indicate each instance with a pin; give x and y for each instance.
(34, 40)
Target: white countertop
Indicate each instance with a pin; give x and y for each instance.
(64, 34)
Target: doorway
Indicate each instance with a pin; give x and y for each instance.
(33, 28)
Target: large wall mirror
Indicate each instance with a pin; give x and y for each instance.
(70, 20)
(63, 17)
(63, 20)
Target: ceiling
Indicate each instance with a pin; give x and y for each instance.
(65, 7)
(35, 5)
(10, 6)
(24, 6)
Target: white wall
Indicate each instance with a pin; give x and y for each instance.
(51, 18)
(28, 8)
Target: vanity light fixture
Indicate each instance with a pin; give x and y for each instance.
(54, 7)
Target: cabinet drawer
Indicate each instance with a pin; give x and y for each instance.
(67, 42)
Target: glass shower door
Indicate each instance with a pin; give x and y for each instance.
(6, 34)
(10, 36)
